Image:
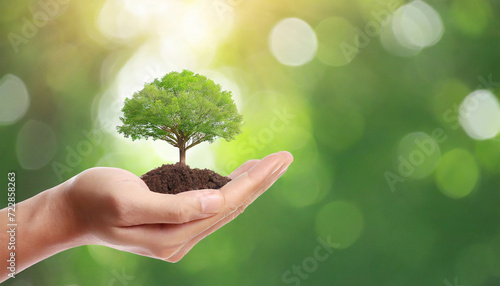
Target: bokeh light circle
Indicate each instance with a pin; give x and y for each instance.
(342, 221)
(418, 155)
(293, 42)
(457, 173)
(36, 145)
(391, 44)
(413, 27)
(471, 17)
(14, 99)
(480, 115)
(417, 25)
(338, 43)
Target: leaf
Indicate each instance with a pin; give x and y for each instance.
(183, 109)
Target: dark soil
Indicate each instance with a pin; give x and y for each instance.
(177, 178)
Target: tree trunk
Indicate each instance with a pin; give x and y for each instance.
(182, 155)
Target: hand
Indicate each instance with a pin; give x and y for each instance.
(115, 208)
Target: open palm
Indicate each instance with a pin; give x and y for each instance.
(114, 207)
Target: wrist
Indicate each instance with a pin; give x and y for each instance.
(47, 224)
(66, 230)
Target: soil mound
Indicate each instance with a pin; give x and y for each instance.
(177, 178)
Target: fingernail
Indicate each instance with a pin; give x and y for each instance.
(211, 202)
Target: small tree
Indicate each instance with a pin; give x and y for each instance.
(184, 109)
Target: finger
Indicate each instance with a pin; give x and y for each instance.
(236, 191)
(152, 208)
(180, 235)
(184, 207)
(241, 187)
(190, 244)
(288, 159)
(243, 168)
(240, 192)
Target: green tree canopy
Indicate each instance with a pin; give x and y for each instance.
(184, 109)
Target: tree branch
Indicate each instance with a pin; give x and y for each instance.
(170, 136)
(171, 142)
(200, 140)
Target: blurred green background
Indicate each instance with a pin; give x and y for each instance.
(397, 161)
